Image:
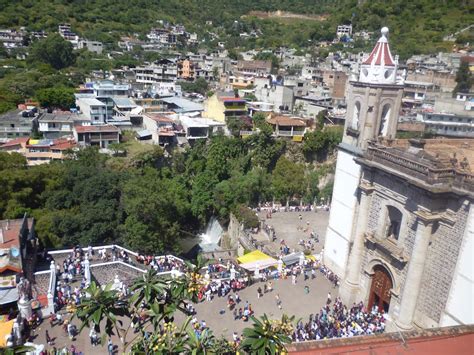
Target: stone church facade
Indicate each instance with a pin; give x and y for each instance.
(401, 229)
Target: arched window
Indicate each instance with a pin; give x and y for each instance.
(394, 222)
(355, 116)
(384, 120)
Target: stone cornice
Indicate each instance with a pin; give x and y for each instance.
(387, 248)
(431, 217)
(366, 187)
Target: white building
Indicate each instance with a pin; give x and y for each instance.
(91, 46)
(66, 33)
(451, 117)
(161, 71)
(93, 109)
(59, 124)
(280, 96)
(344, 30)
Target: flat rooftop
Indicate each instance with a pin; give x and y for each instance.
(96, 129)
(62, 117)
(91, 101)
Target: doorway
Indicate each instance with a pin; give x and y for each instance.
(380, 289)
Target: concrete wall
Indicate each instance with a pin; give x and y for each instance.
(214, 109)
(151, 126)
(343, 208)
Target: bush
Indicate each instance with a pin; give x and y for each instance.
(247, 217)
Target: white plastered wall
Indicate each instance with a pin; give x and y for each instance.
(460, 305)
(343, 211)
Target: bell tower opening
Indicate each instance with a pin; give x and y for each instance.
(356, 116)
(380, 290)
(384, 120)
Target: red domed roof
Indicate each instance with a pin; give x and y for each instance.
(381, 53)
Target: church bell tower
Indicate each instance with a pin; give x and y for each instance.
(373, 106)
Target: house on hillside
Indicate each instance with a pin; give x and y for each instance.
(221, 106)
(200, 128)
(254, 67)
(284, 126)
(15, 145)
(160, 127)
(60, 123)
(99, 136)
(17, 123)
(42, 151)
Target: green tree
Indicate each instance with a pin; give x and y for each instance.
(287, 180)
(200, 86)
(53, 50)
(267, 336)
(58, 97)
(464, 79)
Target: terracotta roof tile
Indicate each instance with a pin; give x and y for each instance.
(286, 121)
(105, 128)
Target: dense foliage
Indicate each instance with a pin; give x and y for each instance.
(146, 200)
(199, 86)
(56, 97)
(418, 26)
(52, 50)
(464, 79)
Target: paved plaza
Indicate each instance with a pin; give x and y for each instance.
(291, 228)
(216, 314)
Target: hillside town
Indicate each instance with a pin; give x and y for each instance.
(363, 235)
(149, 100)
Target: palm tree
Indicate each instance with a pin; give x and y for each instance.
(101, 304)
(267, 336)
(148, 289)
(201, 344)
(19, 349)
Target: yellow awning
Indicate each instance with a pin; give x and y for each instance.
(255, 255)
(33, 141)
(5, 331)
(311, 257)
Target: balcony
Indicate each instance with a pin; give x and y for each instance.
(352, 132)
(388, 248)
(421, 169)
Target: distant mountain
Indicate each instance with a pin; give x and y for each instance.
(416, 25)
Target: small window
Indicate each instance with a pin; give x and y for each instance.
(394, 222)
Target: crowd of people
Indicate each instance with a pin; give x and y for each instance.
(333, 320)
(221, 288)
(339, 321)
(161, 263)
